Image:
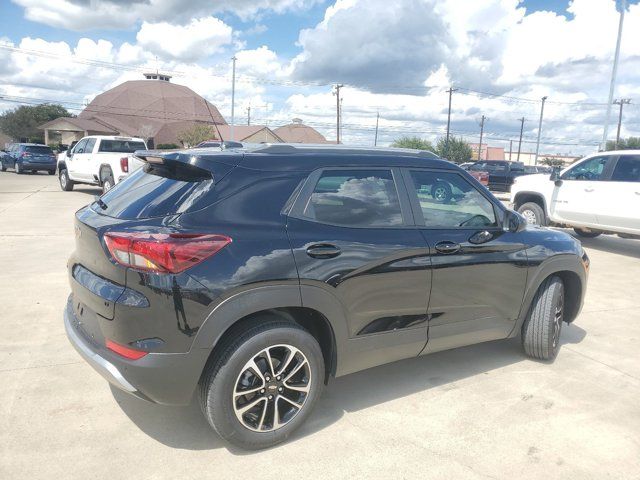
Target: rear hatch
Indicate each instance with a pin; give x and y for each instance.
(149, 199)
(38, 154)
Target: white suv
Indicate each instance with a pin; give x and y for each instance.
(598, 194)
(100, 160)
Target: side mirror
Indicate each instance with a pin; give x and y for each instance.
(514, 222)
(68, 153)
(555, 177)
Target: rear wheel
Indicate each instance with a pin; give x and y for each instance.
(106, 177)
(533, 213)
(587, 233)
(541, 329)
(263, 383)
(441, 192)
(52, 172)
(18, 168)
(65, 182)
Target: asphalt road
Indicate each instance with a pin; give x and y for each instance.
(485, 411)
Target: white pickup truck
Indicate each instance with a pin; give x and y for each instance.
(99, 160)
(598, 194)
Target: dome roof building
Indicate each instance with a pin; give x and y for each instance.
(154, 109)
(298, 132)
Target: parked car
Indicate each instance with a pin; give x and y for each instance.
(99, 160)
(482, 177)
(29, 158)
(501, 173)
(598, 194)
(251, 277)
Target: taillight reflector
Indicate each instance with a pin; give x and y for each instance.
(125, 352)
(163, 252)
(124, 164)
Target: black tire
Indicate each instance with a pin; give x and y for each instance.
(3, 168)
(52, 172)
(441, 192)
(533, 213)
(587, 233)
(106, 179)
(66, 184)
(18, 168)
(541, 329)
(223, 373)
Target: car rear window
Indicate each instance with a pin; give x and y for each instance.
(38, 150)
(121, 146)
(157, 190)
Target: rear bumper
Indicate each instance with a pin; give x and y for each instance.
(38, 166)
(164, 378)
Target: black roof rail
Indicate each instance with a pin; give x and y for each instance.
(287, 148)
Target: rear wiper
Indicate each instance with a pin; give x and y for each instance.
(100, 203)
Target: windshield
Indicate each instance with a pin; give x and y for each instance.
(38, 150)
(121, 146)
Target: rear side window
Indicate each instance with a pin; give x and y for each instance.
(355, 198)
(120, 146)
(155, 191)
(627, 169)
(36, 150)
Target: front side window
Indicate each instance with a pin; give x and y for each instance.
(79, 148)
(88, 148)
(588, 170)
(627, 169)
(355, 198)
(447, 200)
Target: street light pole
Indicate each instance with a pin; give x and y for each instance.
(375, 140)
(535, 161)
(520, 141)
(446, 143)
(481, 132)
(233, 97)
(623, 7)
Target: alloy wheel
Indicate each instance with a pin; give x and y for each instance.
(272, 388)
(557, 320)
(106, 186)
(63, 179)
(440, 193)
(530, 217)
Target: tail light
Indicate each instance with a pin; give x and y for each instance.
(124, 164)
(163, 252)
(125, 351)
(25, 155)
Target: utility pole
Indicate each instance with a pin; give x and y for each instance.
(620, 102)
(481, 132)
(375, 140)
(535, 161)
(337, 94)
(510, 149)
(614, 71)
(520, 142)
(233, 97)
(446, 143)
(249, 115)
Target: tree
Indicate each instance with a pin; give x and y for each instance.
(631, 143)
(197, 133)
(458, 151)
(552, 162)
(413, 142)
(22, 123)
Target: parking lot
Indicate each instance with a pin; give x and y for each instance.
(485, 411)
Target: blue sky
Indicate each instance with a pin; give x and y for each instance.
(394, 57)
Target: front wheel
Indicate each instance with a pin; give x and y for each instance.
(587, 233)
(66, 183)
(541, 329)
(533, 213)
(263, 383)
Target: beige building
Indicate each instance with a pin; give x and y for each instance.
(528, 158)
(298, 132)
(486, 152)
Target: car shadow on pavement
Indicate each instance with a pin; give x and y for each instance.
(186, 427)
(613, 244)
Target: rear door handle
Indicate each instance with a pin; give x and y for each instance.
(323, 250)
(588, 189)
(447, 247)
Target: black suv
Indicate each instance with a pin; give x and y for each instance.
(253, 276)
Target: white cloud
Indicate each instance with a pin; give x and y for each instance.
(198, 39)
(81, 15)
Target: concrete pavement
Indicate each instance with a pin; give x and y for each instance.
(485, 411)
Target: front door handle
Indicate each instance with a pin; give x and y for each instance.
(588, 190)
(447, 247)
(323, 250)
